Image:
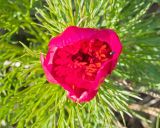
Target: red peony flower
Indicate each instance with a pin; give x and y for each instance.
(79, 59)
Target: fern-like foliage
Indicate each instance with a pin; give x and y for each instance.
(28, 100)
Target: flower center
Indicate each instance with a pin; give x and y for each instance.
(80, 60)
(80, 57)
(90, 57)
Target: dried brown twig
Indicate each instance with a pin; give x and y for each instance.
(149, 110)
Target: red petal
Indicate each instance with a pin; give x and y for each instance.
(71, 35)
(111, 38)
(47, 71)
(85, 96)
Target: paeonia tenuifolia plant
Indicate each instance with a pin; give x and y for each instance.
(79, 59)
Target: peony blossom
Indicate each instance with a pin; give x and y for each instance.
(79, 59)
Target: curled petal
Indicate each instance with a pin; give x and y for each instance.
(48, 74)
(85, 96)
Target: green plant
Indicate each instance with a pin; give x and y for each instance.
(28, 100)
